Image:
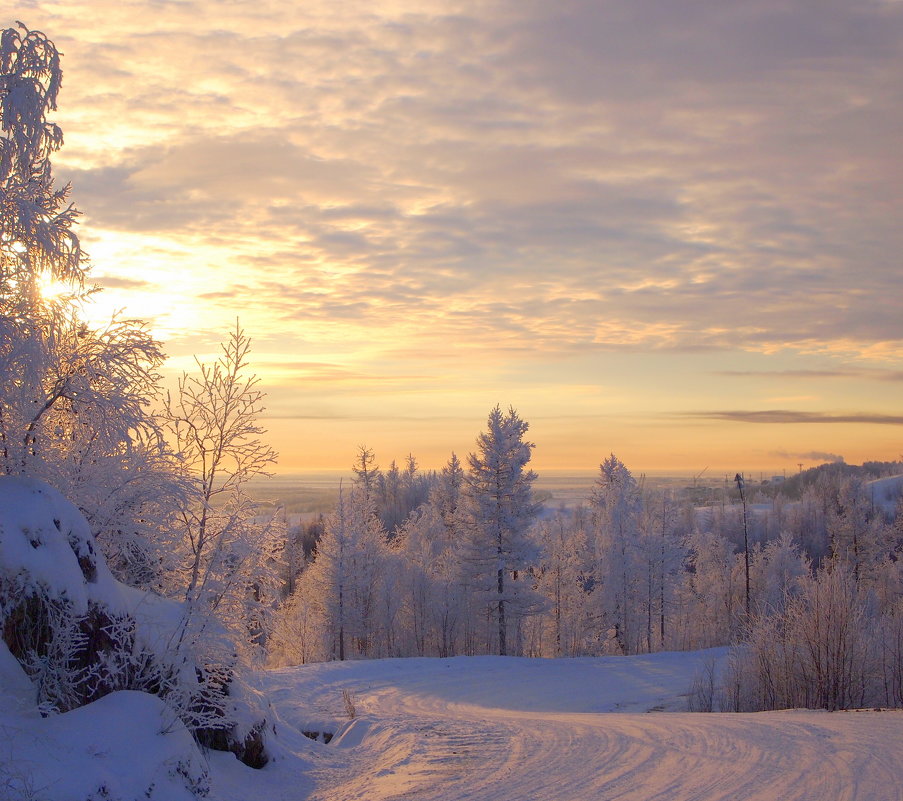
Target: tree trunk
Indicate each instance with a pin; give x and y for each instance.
(503, 648)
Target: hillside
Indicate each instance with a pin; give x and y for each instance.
(560, 730)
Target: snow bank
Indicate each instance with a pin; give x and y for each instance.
(17, 693)
(312, 694)
(126, 746)
(86, 643)
(46, 543)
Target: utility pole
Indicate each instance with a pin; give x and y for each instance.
(661, 600)
(290, 547)
(739, 479)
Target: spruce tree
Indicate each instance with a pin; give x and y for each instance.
(499, 509)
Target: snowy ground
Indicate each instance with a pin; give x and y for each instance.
(463, 729)
(558, 730)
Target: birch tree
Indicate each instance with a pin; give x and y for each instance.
(615, 506)
(229, 549)
(343, 581)
(563, 576)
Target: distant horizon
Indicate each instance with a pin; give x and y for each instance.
(669, 233)
(703, 475)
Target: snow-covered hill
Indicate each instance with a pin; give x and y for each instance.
(468, 729)
(86, 642)
(560, 730)
(886, 493)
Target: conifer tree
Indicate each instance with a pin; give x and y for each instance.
(499, 508)
(616, 504)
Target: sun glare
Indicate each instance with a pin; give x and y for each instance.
(51, 289)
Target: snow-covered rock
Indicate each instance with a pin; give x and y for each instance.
(72, 634)
(46, 545)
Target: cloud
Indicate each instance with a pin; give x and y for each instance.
(119, 282)
(783, 416)
(705, 178)
(870, 374)
(636, 195)
(783, 374)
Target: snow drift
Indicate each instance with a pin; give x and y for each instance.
(77, 641)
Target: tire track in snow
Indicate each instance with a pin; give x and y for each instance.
(466, 753)
(430, 730)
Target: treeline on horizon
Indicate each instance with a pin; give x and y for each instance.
(630, 571)
(291, 493)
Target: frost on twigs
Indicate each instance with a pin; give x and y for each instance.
(229, 541)
(35, 219)
(75, 400)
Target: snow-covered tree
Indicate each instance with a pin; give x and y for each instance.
(37, 244)
(398, 492)
(709, 605)
(855, 529)
(390, 501)
(445, 495)
(661, 557)
(499, 508)
(343, 583)
(299, 629)
(75, 409)
(366, 472)
(428, 582)
(564, 576)
(890, 647)
(820, 652)
(36, 236)
(230, 547)
(616, 506)
(776, 571)
(92, 436)
(74, 405)
(807, 522)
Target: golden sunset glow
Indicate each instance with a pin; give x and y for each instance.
(670, 235)
(51, 289)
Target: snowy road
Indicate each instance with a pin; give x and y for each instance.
(489, 728)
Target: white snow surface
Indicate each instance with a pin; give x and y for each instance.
(42, 536)
(474, 728)
(125, 746)
(461, 729)
(467, 729)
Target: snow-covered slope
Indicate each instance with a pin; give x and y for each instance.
(46, 545)
(467, 729)
(505, 728)
(886, 493)
(125, 746)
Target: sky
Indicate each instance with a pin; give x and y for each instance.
(668, 230)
